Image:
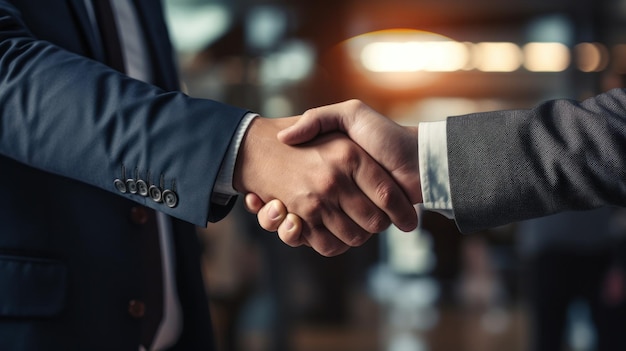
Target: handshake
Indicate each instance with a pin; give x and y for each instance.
(339, 173)
(331, 178)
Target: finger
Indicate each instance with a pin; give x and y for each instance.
(364, 213)
(253, 203)
(344, 233)
(385, 193)
(290, 231)
(271, 215)
(324, 242)
(315, 233)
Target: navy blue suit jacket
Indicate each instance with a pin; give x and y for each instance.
(68, 124)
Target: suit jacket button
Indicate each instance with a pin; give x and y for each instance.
(131, 185)
(139, 215)
(170, 198)
(142, 188)
(136, 308)
(155, 193)
(120, 185)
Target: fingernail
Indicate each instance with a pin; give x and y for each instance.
(289, 224)
(273, 212)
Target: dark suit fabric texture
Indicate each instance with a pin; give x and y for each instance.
(69, 249)
(507, 166)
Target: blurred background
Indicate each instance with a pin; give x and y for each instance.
(555, 283)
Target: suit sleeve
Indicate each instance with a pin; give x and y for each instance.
(68, 115)
(562, 155)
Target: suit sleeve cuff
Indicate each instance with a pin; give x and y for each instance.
(433, 165)
(223, 190)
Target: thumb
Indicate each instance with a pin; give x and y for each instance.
(302, 131)
(253, 203)
(313, 122)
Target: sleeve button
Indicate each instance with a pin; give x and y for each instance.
(170, 198)
(131, 185)
(120, 186)
(155, 193)
(142, 188)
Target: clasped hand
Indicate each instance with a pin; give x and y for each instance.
(316, 185)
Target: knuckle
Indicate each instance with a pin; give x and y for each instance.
(327, 185)
(332, 250)
(310, 113)
(347, 157)
(291, 239)
(359, 240)
(312, 206)
(307, 205)
(355, 103)
(268, 226)
(325, 252)
(378, 222)
(326, 246)
(385, 194)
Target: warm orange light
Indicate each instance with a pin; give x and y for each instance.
(497, 57)
(403, 59)
(446, 56)
(591, 57)
(393, 57)
(546, 57)
(412, 56)
(407, 50)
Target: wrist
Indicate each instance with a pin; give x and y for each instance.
(246, 153)
(258, 144)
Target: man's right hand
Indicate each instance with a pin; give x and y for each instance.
(341, 194)
(391, 145)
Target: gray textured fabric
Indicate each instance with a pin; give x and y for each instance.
(562, 155)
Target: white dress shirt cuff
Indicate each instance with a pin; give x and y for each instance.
(223, 190)
(433, 165)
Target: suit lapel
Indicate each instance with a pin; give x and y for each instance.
(155, 30)
(84, 22)
(152, 19)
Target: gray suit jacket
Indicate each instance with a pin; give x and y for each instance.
(562, 155)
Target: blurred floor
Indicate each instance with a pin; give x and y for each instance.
(458, 330)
